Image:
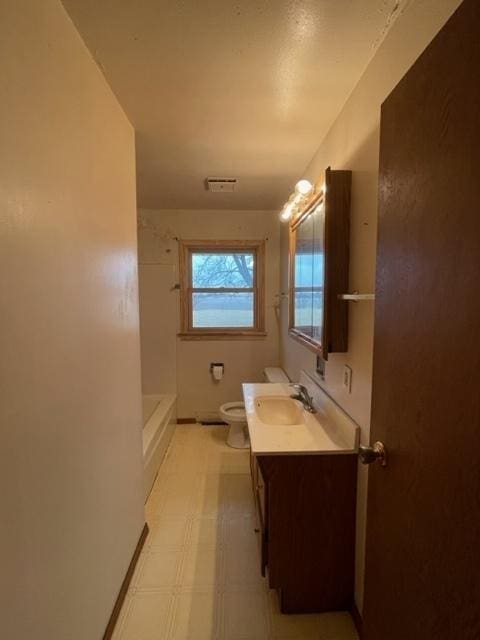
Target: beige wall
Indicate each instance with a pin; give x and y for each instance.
(353, 143)
(244, 359)
(70, 416)
(158, 326)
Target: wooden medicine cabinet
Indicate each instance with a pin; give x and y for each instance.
(319, 262)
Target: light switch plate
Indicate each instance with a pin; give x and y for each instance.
(347, 378)
(320, 367)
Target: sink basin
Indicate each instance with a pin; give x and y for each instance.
(278, 410)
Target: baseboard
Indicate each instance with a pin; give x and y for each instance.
(125, 584)
(209, 423)
(357, 620)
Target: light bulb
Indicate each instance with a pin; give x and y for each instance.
(287, 212)
(304, 188)
(298, 199)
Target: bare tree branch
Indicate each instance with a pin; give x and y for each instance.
(227, 270)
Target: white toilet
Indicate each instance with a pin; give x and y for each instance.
(233, 413)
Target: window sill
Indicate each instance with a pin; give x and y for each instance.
(223, 335)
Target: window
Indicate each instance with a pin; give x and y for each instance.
(222, 288)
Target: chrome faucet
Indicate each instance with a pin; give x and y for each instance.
(304, 397)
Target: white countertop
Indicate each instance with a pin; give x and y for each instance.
(329, 431)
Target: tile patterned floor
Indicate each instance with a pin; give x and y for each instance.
(198, 576)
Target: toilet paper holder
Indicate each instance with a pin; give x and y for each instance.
(215, 366)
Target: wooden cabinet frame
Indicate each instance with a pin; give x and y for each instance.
(336, 200)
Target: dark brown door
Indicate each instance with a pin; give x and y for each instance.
(423, 526)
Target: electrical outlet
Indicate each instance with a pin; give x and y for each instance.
(347, 378)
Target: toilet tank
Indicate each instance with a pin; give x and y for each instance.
(275, 374)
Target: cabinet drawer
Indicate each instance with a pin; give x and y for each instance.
(259, 488)
(261, 494)
(253, 471)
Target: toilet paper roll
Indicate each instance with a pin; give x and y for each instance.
(217, 372)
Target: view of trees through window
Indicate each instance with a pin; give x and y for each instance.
(223, 289)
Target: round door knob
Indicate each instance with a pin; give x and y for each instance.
(377, 453)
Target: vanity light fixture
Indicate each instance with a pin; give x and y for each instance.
(304, 189)
(287, 211)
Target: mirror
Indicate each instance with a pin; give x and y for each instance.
(308, 264)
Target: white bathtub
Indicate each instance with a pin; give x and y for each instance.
(159, 418)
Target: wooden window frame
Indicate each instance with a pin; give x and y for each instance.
(186, 249)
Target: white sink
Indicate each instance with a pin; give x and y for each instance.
(279, 425)
(278, 410)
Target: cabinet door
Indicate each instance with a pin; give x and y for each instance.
(337, 254)
(259, 494)
(319, 264)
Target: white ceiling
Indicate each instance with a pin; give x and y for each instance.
(242, 89)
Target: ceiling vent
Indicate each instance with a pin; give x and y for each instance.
(221, 185)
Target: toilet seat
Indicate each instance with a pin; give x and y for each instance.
(233, 412)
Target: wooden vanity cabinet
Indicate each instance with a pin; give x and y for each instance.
(306, 528)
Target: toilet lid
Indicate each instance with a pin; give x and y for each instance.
(233, 411)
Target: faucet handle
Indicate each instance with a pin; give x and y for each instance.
(300, 387)
(304, 397)
(302, 390)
